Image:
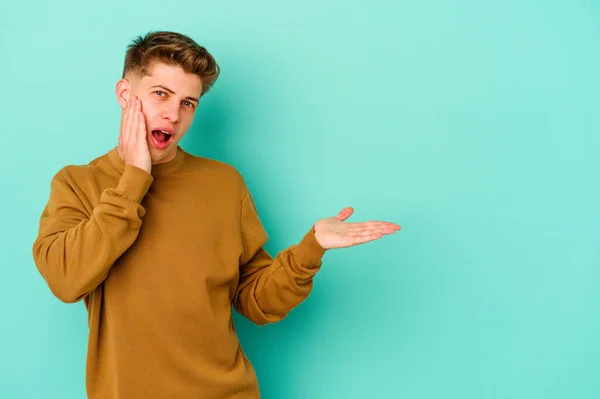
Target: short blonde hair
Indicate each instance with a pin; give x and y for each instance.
(174, 49)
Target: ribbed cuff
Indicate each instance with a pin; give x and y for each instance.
(309, 252)
(135, 182)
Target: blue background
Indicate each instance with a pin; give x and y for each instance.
(473, 124)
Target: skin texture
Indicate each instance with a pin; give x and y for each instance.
(334, 232)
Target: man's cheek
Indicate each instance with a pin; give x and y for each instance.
(144, 105)
(147, 116)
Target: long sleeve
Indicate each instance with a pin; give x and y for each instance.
(75, 249)
(270, 288)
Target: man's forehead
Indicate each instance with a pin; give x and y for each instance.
(173, 77)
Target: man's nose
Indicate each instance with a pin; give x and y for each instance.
(171, 112)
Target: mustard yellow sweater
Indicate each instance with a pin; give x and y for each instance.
(159, 259)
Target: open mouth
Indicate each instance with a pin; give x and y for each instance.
(161, 138)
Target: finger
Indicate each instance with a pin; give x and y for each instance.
(365, 238)
(362, 226)
(129, 121)
(133, 126)
(345, 213)
(370, 232)
(124, 120)
(141, 126)
(372, 225)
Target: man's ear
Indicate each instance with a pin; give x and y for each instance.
(123, 90)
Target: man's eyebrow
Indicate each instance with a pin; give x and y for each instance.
(172, 92)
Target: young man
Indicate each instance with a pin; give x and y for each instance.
(160, 243)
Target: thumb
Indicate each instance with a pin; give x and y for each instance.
(344, 214)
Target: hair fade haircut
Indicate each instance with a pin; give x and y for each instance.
(173, 49)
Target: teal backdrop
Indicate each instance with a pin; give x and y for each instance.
(475, 125)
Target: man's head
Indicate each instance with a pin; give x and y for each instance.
(168, 72)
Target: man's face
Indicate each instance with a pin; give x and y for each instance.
(169, 99)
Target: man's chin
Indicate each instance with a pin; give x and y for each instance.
(158, 156)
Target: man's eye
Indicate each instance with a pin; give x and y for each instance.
(188, 104)
(159, 93)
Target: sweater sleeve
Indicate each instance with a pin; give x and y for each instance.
(270, 288)
(74, 250)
